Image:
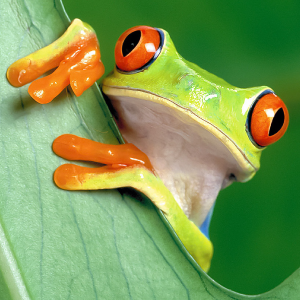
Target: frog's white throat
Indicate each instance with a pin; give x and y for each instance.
(193, 164)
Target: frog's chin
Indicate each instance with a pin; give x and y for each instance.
(191, 161)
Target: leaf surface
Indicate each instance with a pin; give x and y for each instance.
(56, 244)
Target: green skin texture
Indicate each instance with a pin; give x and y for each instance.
(188, 86)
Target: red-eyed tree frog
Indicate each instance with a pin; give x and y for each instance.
(189, 133)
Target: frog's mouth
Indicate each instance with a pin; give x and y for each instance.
(192, 157)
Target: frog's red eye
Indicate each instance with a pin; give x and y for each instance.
(269, 119)
(137, 47)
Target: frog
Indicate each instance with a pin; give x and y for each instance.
(188, 133)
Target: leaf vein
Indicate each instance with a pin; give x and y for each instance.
(116, 246)
(84, 246)
(39, 191)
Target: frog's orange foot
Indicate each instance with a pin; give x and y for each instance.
(76, 54)
(73, 177)
(115, 157)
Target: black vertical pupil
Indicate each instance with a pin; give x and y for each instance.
(277, 122)
(130, 42)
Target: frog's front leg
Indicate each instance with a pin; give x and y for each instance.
(127, 166)
(76, 54)
(115, 157)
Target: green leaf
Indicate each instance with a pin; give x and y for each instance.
(56, 244)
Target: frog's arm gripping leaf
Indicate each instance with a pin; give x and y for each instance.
(202, 285)
(76, 54)
(127, 166)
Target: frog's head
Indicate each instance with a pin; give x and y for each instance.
(200, 132)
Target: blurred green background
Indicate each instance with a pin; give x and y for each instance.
(247, 43)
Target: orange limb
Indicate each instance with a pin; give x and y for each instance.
(72, 177)
(72, 147)
(76, 54)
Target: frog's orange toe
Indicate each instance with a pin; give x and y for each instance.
(45, 89)
(80, 80)
(73, 177)
(67, 146)
(67, 177)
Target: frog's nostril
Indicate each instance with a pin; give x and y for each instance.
(130, 42)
